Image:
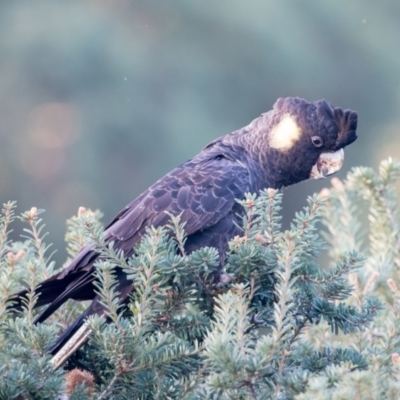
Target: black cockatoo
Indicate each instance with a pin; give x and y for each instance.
(295, 141)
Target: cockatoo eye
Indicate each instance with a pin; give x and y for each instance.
(317, 141)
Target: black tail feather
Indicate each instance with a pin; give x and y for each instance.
(55, 292)
(124, 287)
(81, 288)
(95, 308)
(48, 291)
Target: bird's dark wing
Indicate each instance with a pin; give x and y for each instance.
(200, 192)
(202, 195)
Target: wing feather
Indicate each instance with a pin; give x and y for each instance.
(202, 193)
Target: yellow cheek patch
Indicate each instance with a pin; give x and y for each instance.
(285, 134)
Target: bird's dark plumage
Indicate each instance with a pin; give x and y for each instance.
(280, 148)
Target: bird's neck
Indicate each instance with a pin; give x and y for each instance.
(250, 146)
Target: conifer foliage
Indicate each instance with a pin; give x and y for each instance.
(275, 325)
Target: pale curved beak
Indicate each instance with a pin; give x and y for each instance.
(327, 164)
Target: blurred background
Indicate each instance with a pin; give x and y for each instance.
(98, 99)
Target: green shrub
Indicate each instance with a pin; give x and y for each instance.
(279, 325)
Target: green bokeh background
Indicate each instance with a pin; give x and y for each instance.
(100, 98)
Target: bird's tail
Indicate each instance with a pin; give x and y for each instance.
(78, 332)
(75, 335)
(47, 292)
(62, 351)
(54, 291)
